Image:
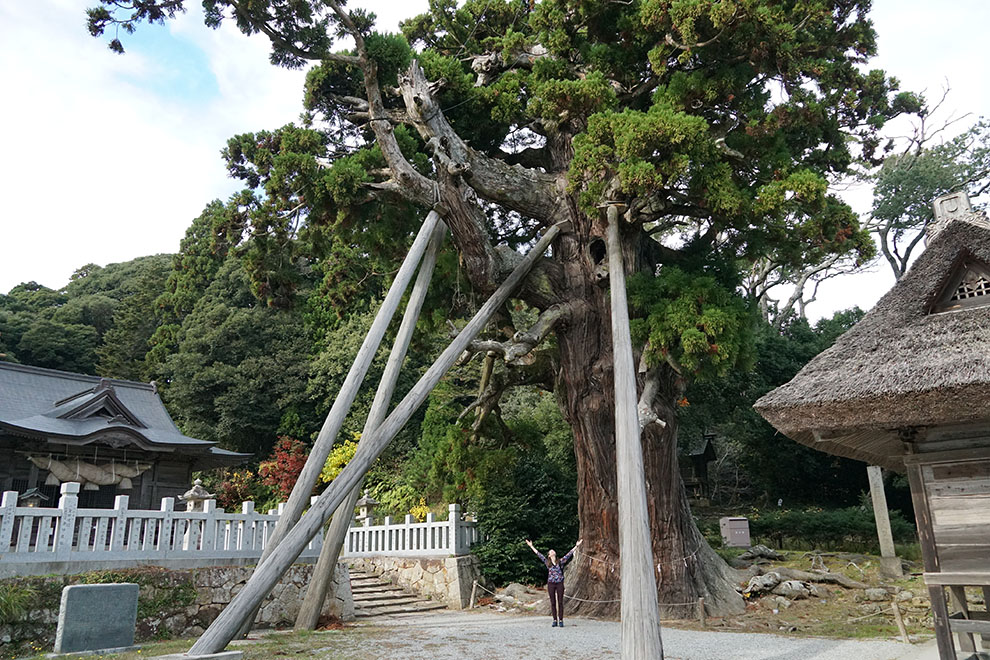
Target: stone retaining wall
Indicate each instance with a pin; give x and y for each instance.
(171, 603)
(447, 579)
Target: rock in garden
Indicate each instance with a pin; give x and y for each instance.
(762, 583)
(760, 552)
(903, 596)
(515, 590)
(792, 589)
(817, 591)
(876, 594)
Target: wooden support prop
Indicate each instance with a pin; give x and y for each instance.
(270, 571)
(333, 541)
(303, 488)
(899, 620)
(888, 559)
(701, 612)
(474, 591)
(640, 636)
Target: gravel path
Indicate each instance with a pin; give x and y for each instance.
(490, 636)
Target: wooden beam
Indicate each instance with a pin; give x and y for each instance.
(333, 541)
(640, 632)
(950, 579)
(888, 558)
(269, 572)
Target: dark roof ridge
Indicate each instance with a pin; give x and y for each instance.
(69, 375)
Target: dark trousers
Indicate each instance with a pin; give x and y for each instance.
(556, 591)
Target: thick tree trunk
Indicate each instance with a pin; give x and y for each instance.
(688, 568)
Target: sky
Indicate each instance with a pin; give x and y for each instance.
(107, 157)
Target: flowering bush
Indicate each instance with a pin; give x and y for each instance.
(238, 486)
(282, 468)
(338, 458)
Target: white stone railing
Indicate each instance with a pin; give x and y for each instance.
(413, 539)
(36, 540)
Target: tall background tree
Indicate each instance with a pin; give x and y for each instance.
(908, 182)
(718, 124)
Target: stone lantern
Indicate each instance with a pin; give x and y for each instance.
(366, 509)
(195, 496)
(32, 497)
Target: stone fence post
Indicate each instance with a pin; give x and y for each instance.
(454, 522)
(168, 518)
(8, 510)
(68, 504)
(120, 523)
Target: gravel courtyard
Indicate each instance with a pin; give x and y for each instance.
(492, 636)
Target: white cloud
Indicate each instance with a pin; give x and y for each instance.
(98, 166)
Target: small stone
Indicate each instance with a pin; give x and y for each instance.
(817, 591)
(903, 596)
(792, 589)
(876, 594)
(782, 602)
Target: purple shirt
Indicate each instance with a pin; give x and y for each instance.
(556, 570)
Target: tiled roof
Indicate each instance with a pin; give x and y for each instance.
(36, 402)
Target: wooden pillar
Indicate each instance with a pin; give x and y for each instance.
(640, 636)
(270, 571)
(929, 556)
(889, 562)
(319, 586)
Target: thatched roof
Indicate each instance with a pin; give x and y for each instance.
(902, 366)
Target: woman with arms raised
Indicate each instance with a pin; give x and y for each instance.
(555, 580)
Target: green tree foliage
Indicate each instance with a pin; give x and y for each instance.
(240, 367)
(125, 345)
(772, 466)
(74, 329)
(201, 252)
(905, 186)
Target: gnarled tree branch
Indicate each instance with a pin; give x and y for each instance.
(530, 192)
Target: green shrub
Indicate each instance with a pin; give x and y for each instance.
(15, 601)
(851, 529)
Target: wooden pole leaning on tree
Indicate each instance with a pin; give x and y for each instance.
(640, 612)
(225, 627)
(303, 488)
(333, 540)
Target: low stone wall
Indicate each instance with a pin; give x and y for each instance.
(447, 579)
(170, 603)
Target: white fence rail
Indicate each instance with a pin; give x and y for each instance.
(69, 539)
(410, 539)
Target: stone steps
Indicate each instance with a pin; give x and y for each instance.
(375, 597)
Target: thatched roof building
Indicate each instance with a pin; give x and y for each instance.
(920, 358)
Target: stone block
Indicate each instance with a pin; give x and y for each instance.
(94, 617)
(222, 655)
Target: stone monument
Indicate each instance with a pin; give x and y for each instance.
(97, 617)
